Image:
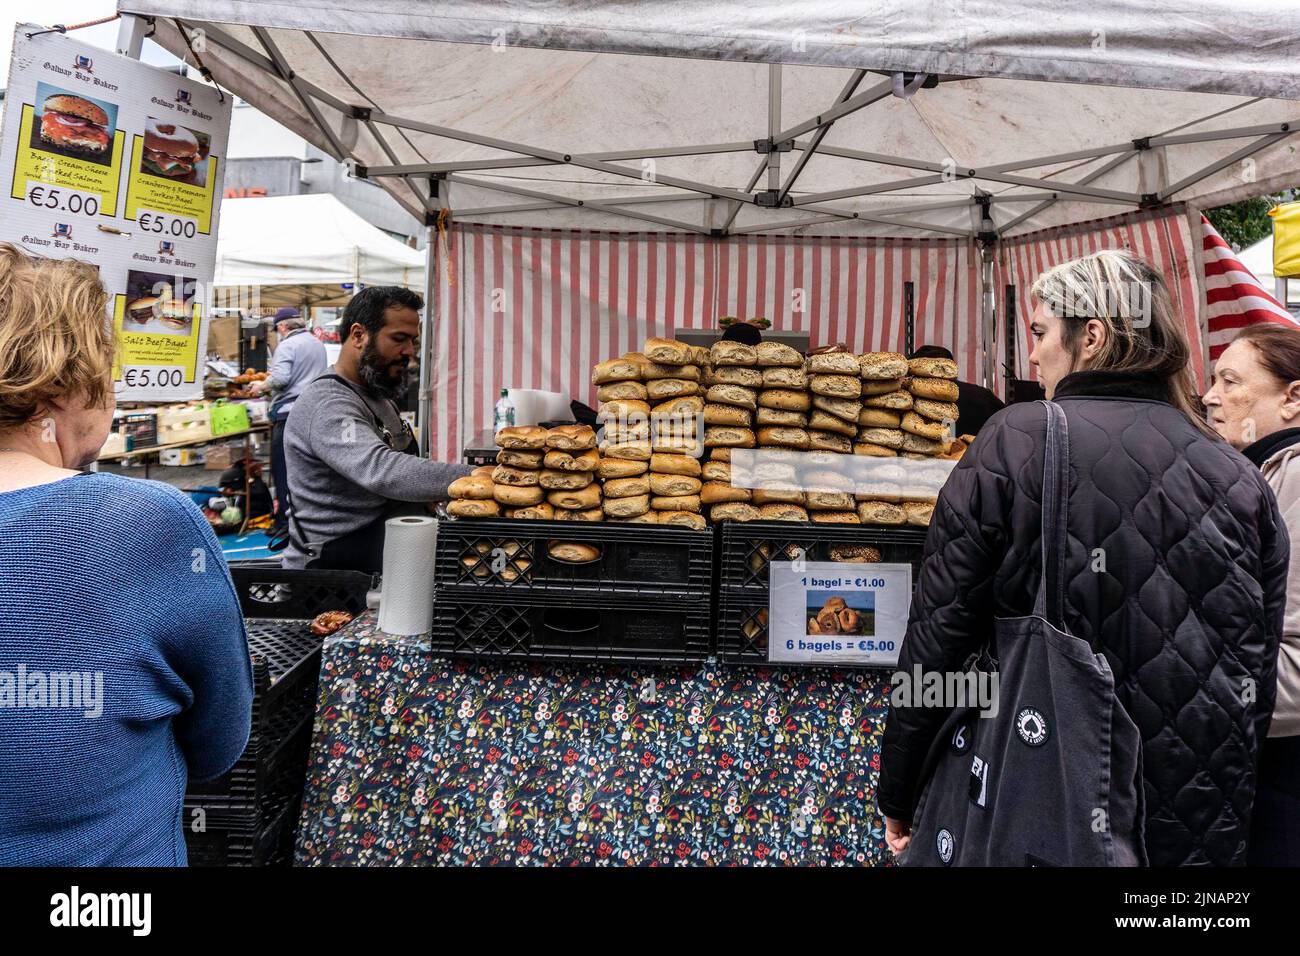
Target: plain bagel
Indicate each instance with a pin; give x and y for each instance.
(517, 496)
(471, 487)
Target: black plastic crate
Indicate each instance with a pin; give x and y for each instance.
(524, 626)
(477, 556)
(747, 548)
(274, 592)
(272, 845)
(266, 779)
(746, 551)
(286, 668)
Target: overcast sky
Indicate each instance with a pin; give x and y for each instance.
(67, 12)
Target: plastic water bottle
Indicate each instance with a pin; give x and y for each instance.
(505, 412)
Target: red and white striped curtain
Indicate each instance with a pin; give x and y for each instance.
(537, 309)
(1234, 297)
(1161, 237)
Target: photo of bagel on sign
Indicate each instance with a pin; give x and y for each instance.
(72, 125)
(155, 303)
(175, 152)
(852, 614)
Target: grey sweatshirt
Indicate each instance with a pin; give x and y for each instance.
(341, 473)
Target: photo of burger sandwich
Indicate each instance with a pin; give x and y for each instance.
(140, 311)
(174, 152)
(169, 315)
(154, 304)
(72, 125)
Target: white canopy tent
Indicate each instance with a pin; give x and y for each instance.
(307, 250)
(984, 121)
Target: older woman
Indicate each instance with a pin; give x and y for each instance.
(124, 666)
(1174, 569)
(1254, 403)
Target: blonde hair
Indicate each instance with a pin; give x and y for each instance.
(1143, 333)
(55, 336)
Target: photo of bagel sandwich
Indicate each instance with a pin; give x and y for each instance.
(169, 151)
(172, 314)
(76, 125)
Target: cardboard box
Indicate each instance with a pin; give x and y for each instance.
(223, 337)
(221, 457)
(176, 457)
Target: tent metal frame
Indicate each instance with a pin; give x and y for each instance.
(434, 200)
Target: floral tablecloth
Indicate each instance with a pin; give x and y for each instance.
(419, 760)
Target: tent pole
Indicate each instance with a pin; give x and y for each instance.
(426, 341)
(987, 331)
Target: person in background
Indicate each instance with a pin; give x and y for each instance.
(975, 403)
(353, 462)
(1254, 403)
(1188, 610)
(124, 665)
(299, 357)
(745, 333)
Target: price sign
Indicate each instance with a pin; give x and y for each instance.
(153, 376)
(121, 165)
(167, 226)
(827, 612)
(63, 200)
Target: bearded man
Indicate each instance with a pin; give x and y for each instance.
(352, 459)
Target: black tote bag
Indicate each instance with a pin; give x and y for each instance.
(1055, 777)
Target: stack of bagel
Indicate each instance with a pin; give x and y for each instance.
(569, 475)
(903, 419)
(647, 464)
(730, 413)
(472, 496)
(650, 402)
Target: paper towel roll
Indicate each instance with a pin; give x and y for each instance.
(406, 605)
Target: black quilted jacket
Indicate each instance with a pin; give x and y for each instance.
(1188, 610)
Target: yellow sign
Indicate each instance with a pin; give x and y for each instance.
(1286, 240)
(49, 172)
(150, 192)
(147, 339)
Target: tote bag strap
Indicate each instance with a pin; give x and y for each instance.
(1050, 601)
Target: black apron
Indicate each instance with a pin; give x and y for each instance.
(362, 549)
(1055, 778)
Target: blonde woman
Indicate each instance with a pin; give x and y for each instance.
(124, 666)
(1175, 564)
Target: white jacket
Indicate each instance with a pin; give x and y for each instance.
(1282, 472)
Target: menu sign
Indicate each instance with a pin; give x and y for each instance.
(108, 160)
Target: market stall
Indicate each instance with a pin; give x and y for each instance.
(876, 179)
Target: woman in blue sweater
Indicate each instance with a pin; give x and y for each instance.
(124, 667)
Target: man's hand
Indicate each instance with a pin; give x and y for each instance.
(897, 834)
(259, 387)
